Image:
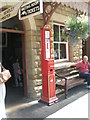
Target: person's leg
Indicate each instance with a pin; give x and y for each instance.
(20, 81)
(16, 80)
(88, 79)
(85, 75)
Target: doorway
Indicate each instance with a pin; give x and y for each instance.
(13, 49)
(11, 52)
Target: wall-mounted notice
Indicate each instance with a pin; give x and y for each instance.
(47, 44)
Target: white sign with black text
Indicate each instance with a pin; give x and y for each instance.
(30, 9)
(47, 44)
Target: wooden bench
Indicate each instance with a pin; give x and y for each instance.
(69, 79)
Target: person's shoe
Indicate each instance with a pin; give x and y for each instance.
(88, 86)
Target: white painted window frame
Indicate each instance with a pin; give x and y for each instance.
(67, 55)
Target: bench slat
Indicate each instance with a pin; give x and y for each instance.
(71, 82)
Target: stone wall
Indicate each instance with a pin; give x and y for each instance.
(37, 76)
(33, 53)
(75, 53)
(35, 71)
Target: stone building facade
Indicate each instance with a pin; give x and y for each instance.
(34, 60)
(32, 36)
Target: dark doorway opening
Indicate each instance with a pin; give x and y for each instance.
(11, 51)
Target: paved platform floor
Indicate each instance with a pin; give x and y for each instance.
(76, 109)
(77, 101)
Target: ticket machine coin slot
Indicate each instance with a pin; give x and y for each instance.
(51, 70)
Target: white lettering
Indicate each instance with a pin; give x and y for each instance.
(33, 10)
(25, 7)
(29, 6)
(35, 3)
(37, 8)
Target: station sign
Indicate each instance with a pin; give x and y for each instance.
(30, 9)
(10, 12)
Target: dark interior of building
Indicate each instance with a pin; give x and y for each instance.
(11, 50)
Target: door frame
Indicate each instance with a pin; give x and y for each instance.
(23, 56)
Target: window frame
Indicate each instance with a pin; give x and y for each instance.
(59, 42)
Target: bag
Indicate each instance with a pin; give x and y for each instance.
(6, 75)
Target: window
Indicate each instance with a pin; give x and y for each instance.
(60, 45)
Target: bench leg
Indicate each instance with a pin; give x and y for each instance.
(66, 89)
(66, 93)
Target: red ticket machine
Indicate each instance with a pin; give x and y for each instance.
(48, 71)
